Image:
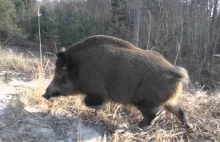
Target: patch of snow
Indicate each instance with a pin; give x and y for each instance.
(60, 140)
(2, 108)
(4, 101)
(4, 96)
(51, 140)
(31, 121)
(89, 134)
(30, 84)
(46, 132)
(16, 82)
(69, 140)
(57, 127)
(5, 90)
(37, 108)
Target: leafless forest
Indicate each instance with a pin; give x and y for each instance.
(186, 32)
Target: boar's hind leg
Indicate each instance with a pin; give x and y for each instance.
(148, 113)
(179, 113)
(94, 101)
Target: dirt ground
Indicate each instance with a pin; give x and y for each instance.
(20, 123)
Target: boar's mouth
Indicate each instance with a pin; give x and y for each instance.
(48, 96)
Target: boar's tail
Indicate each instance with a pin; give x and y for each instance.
(181, 74)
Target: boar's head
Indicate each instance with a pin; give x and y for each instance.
(64, 79)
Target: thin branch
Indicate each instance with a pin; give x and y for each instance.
(149, 31)
(177, 55)
(38, 14)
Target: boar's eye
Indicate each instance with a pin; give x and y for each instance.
(64, 67)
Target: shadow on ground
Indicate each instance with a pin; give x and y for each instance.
(19, 123)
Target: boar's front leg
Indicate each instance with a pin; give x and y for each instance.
(94, 101)
(91, 84)
(149, 113)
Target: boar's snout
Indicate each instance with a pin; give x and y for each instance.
(51, 93)
(46, 96)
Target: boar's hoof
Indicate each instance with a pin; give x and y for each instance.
(189, 126)
(144, 122)
(96, 107)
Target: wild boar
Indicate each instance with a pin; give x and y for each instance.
(105, 68)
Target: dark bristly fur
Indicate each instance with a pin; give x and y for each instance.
(106, 68)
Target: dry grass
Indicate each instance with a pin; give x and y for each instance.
(119, 121)
(11, 60)
(14, 61)
(203, 111)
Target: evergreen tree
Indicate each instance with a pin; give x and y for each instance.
(8, 25)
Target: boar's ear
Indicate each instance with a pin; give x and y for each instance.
(60, 63)
(62, 49)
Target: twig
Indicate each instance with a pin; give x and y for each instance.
(178, 51)
(149, 33)
(216, 55)
(38, 14)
